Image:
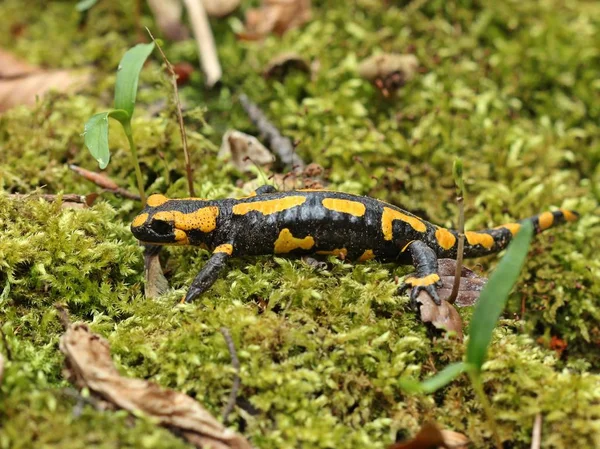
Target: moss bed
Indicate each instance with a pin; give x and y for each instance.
(511, 87)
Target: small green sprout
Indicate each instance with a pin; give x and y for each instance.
(96, 129)
(487, 312)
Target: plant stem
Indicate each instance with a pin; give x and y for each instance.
(136, 162)
(186, 153)
(460, 250)
(487, 407)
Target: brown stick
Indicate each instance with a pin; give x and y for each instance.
(236, 380)
(188, 166)
(205, 40)
(461, 247)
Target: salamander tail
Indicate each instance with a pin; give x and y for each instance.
(489, 241)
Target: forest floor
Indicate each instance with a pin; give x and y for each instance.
(511, 87)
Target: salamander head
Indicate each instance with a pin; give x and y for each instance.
(174, 222)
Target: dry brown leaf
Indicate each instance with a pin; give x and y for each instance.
(22, 83)
(279, 66)
(443, 316)
(431, 437)
(155, 282)
(220, 8)
(455, 440)
(470, 285)
(245, 151)
(25, 90)
(13, 67)
(277, 16)
(89, 364)
(389, 71)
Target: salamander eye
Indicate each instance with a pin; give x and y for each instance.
(161, 227)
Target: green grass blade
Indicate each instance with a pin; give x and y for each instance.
(436, 382)
(128, 74)
(444, 377)
(494, 295)
(95, 135)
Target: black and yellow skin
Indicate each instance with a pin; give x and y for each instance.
(316, 222)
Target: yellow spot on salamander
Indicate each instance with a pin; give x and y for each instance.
(269, 206)
(139, 220)
(286, 242)
(181, 237)
(424, 281)
(225, 248)
(545, 220)
(203, 219)
(345, 206)
(480, 238)
(445, 238)
(156, 200)
(512, 227)
(339, 252)
(569, 215)
(388, 217)
(367, 255)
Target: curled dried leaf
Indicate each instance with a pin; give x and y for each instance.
(279, 66)
(89, 364)
(443, 317)
(245, 151)
(389, 71)
(277, 16)
(470, 286)
(431, 437)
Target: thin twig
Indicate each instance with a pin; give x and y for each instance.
(236, 380)
(67, 197)
(188, 166)
(205, 40)
(536, 434)
(459, 253)
(278, 143)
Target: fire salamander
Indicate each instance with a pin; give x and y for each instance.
(316, 222)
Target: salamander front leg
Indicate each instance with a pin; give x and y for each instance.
(210, 272)
(426, 276)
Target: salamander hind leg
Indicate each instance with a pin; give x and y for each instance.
(209, 272)
(425, 277)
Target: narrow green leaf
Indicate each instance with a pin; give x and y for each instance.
(494, 295)
(95, 135)
(128, 74)
(84, 5)
(443, 378)
(436, 382)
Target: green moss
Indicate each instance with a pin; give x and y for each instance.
(509, 87)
